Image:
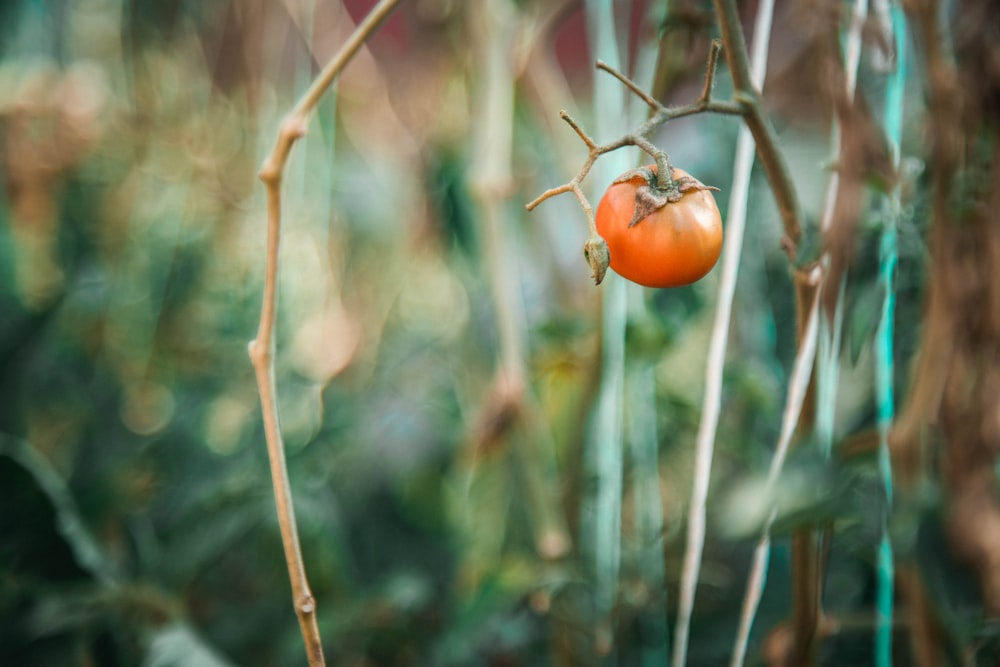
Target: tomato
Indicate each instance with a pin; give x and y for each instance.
(676, 241)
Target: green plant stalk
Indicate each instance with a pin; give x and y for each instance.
(644, 450)
(884, 366)
(885, 570)
(604, 449)
(604, 442)
(262, 347)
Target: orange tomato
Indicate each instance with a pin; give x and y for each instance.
(673, 245)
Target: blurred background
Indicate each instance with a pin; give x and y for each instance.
(439, 348)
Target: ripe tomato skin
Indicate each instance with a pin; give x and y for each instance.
(672, 246)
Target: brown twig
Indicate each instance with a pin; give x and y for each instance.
(747, 96)
(262, 348)
(940, 431)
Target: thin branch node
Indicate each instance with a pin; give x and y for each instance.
(270, 172)
(744, 99)
(294, 126)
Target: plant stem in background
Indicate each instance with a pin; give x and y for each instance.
(604, 443)
(715, 366)
(262, 348)
(827, 372)
(496, 28)
(747, 94)
(884, 348)
(837, 220)
(645, 471)
(798, 386)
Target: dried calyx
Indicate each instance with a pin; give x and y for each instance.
(651, 197)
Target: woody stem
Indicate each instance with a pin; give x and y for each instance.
(664, 172)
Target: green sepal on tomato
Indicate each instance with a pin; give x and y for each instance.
(660, 237)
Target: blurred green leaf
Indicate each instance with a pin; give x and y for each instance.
(38, 491)
(178, 646)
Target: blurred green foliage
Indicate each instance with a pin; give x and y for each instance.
(137, 524)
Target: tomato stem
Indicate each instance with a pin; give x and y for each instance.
(664, 173)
